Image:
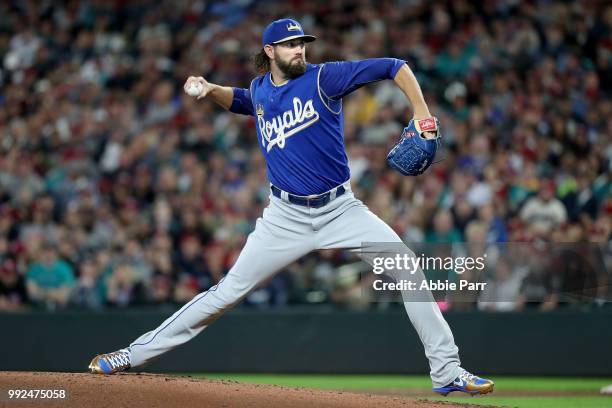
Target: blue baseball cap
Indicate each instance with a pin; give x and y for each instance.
(284, 30)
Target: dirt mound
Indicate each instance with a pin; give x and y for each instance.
(149, 390)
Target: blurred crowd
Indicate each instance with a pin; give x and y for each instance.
(117, 189)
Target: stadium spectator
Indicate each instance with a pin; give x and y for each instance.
(503, 289)
(444, 230)
(13, 293)
(89, 290)
(124, 287)
(496, 227)
(544, 212)
(50, 280)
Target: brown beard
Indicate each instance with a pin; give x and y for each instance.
(289, 70)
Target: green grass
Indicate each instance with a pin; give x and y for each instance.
(535, 402)
(373, 381)
(330, 382)
(422, 384)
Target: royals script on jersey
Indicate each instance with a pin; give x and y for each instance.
(300, 123)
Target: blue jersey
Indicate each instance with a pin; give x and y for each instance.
(300, 123)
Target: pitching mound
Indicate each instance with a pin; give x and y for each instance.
(149, 390)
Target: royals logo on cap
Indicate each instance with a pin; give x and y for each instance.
(293, 27)
(284, 30)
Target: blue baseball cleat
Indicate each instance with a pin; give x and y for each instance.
(468, 383)
(111, 363)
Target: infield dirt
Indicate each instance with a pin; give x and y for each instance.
(135, 390)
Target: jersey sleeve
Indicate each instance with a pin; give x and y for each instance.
(242, 102)
(339, 79)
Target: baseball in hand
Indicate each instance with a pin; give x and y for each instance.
(195, 89)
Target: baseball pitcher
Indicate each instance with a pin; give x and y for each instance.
(299, 119)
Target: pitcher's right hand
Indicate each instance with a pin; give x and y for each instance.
(206, 86)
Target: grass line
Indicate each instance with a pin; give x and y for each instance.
(358, 381)
(421, 388)
(536, 402)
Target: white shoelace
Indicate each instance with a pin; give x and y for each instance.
(467, 376)
(119, 359)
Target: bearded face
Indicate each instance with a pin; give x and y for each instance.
(292, 68)
(290, 57)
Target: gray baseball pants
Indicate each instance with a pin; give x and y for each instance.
(283, 234)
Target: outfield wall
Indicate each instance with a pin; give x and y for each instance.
(318, 341)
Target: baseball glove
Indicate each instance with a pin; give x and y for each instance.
(417, 147)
